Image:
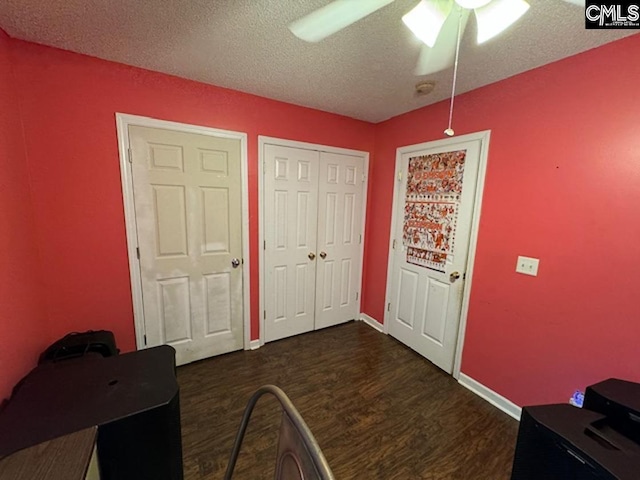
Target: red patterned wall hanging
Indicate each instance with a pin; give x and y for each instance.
(434, 186)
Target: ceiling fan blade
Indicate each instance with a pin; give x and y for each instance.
(443, 53)
(427, 18)
(497, 16)
(333, 17)
(579, 3)
(471, 4)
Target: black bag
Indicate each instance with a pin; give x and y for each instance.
(77, 344)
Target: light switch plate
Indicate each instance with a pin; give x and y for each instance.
(528, 266)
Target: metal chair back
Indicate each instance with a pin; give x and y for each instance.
(299, 456)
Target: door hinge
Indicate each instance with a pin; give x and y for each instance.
(364, 178)
(264, 245)
(138, 252)
(394, 244)
(129, 155)
(388, 306)
(360, 239)
(400, 175)
(357, 295)
(264, 314)
(464, 276)
(145, 339)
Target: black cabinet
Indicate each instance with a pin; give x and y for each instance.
(132, 398)
(562, 442)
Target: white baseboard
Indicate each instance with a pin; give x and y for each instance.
(495, 399)
(254, 344)
(372, 322)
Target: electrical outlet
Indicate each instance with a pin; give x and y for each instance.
(528, 266)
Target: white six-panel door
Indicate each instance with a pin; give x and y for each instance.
(425, 301)
(290, 209)
(187, 194)
(313, 207)
(339, 238)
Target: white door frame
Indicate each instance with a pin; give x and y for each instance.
(262, 141)
(483, 136)
(123, 121)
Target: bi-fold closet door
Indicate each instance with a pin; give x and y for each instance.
(313, 207)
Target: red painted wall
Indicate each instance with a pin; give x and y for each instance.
(562, 185)
(69, 103)
(23, 327)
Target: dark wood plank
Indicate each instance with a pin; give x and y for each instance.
(63, 458)
(378, 410)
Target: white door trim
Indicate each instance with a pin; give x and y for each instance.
(264, 140)
(123, 121)
(483, 136)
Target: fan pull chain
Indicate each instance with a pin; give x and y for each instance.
(449, 131)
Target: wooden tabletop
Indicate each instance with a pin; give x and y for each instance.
(63, 458)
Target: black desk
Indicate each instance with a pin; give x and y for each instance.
(132, 398)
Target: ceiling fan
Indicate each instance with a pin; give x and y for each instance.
(437, 23)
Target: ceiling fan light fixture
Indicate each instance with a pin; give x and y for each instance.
(497, 16)
(470, 4)
(425, 20)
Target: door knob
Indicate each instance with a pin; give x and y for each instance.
(235, 262)
(454, 276)
(311, 255)
(323, 255)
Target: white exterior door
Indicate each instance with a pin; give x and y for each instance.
(339, 238)
(313, 204)
(187, 195)
(434, 212)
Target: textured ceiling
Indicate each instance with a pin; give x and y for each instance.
(364, 71)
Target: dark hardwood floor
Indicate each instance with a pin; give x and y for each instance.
(377, 409)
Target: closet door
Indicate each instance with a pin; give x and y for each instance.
(340, 192)
(290, 210)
